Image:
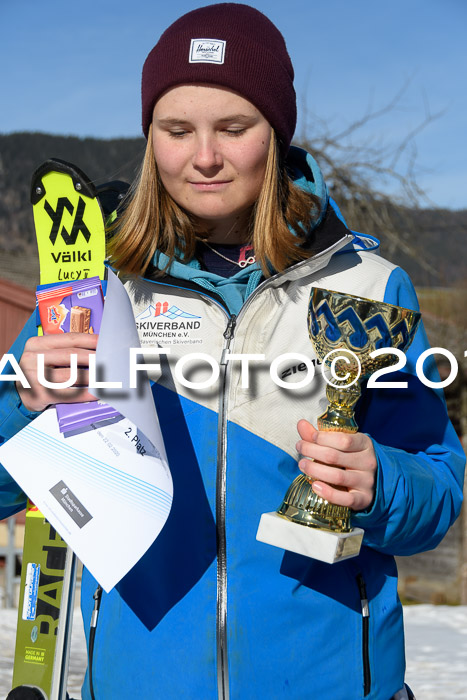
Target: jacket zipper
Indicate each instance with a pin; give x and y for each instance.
(221, 616)
(365, 635)
(222, 659)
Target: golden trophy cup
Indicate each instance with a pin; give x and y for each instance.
(354, 337)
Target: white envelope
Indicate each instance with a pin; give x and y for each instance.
(107, 491)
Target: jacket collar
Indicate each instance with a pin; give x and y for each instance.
(331, 236)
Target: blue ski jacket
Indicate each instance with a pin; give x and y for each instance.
(209, 612)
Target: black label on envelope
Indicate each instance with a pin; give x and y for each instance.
(71, 504)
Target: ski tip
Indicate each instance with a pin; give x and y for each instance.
(81, 181)
(111, 195)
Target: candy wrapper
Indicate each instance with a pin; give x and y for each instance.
(75, 307)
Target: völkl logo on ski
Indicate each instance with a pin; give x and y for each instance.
(78, 223)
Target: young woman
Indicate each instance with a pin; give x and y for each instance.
(222, 239)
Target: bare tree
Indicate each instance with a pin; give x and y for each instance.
(360, 172)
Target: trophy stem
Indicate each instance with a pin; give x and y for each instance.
(340, 413)
(301, 504)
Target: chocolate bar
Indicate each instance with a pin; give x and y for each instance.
(79, 319)
(60, 311)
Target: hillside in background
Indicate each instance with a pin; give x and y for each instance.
(439, 242)
(22, 153)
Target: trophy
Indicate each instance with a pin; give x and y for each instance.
(349, 335)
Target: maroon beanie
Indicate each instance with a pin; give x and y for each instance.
(231, 45)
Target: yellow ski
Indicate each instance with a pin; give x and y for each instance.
(70, 231)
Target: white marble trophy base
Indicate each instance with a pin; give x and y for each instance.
(323, 545)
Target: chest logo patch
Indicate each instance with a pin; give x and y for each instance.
(166, 321)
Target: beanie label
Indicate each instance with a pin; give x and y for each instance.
(207, 51)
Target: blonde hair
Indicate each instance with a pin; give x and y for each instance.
(152, 220)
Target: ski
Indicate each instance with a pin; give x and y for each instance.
(45, 612)
(70, 232)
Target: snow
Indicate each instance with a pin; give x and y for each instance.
(436, 647)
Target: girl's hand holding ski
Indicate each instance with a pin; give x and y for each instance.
(57, 351)
(342, 464)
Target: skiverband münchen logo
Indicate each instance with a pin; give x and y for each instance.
(207, 51)
(164, 321)
(162, 309)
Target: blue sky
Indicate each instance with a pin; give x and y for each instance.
(74, 68)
